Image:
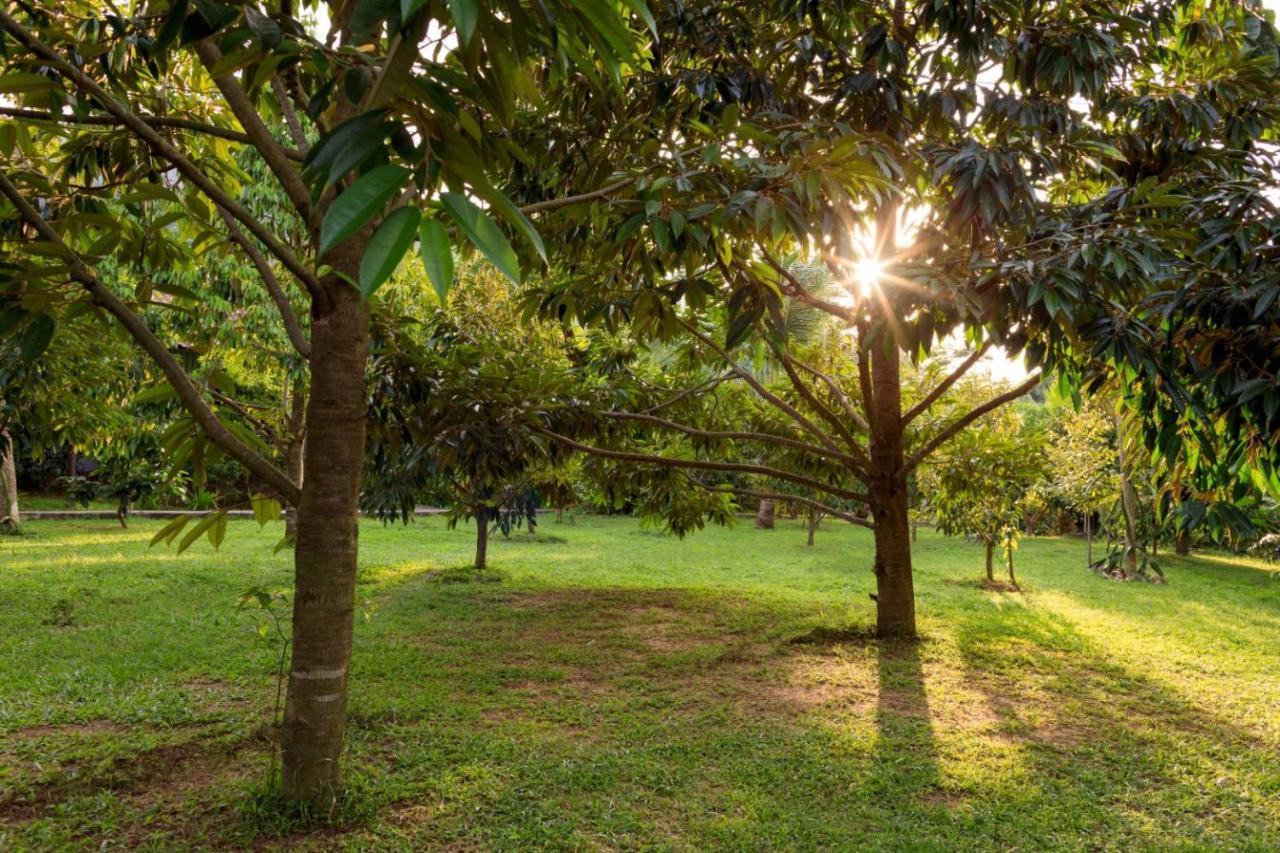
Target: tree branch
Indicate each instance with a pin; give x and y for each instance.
(809, 502)
(569, 200)
(838, 393)
(812, 399)
(272, 151)
(291, 120)
(186, 390)
(951, 379)
(153, 121)
(778, 402)
(762, 437)
(704, 465)
(796, 290)
(966, 419)
(292, 327)
(162, 147)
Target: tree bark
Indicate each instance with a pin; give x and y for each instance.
(295, 453)
(1182, 543)
(9, 475)
(990, 561)
(813, 526)
(887, 490)
(482, 537)
(1088, 538)
(1013, 581)
(1128, 500)
(764, 514)
(326, 550)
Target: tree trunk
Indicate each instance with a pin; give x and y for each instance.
(9, 475)
(295, 453)
(1182, 543)
(72, 456)
(1013, 581)
(1128, 500)
(482, 537)
(991, 548)
(326, 550)
(914, 534)
(813, 525)
(1088, 537)
(887, 493)
(764, 515)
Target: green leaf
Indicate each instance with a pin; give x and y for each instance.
(265, 509)
(36, 337)
(170, 28)
(170, 531)
(361, 201)
(476, 225)
(264, 28)
(11, 317)
(199, 530)
(24, 82)
(437, 256)
(218, 530)
(387, 246)
(465, 15)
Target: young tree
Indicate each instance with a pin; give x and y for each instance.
(976, 485)
(1083, 461)
(121, 153)
(997, 168)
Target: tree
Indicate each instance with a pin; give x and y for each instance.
(1083, 461)
(976, 485)
(995, 168)
(112, 163)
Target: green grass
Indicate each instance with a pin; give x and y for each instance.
(33, 503)
(621, 689)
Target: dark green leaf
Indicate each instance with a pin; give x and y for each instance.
(387, 246)
(437, 256)
(477, 227)
(352, 210)
(36, 337)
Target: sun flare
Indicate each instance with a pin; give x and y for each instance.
(867, 273)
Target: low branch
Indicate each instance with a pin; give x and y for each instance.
(721, 435)
(186, 390)
(570, 200)
(292, 327)
(164, 149)
(796, 290)
(809, 502)
(942, 387)
(153, 121)
(966, 419)
(704, 465)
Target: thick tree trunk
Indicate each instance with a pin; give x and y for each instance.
(295, 453)
(764, 514)
(1182, 543)
(991, 548)
(1128, 500)
(482, 537)
(887, 490)
(326, 550)
(9, 475)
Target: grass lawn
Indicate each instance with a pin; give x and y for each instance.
(616, 688)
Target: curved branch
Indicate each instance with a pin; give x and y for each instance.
(272, 151)
(186, 390)
(292, 327)
(951, 379)
(154, 121)
(162, 147)
(778, 402)
(704, 465)
(838, 393)
(966, 419)
(812, 399)
(762, 437)
(809, 502)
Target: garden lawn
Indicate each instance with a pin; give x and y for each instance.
(611, 687)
